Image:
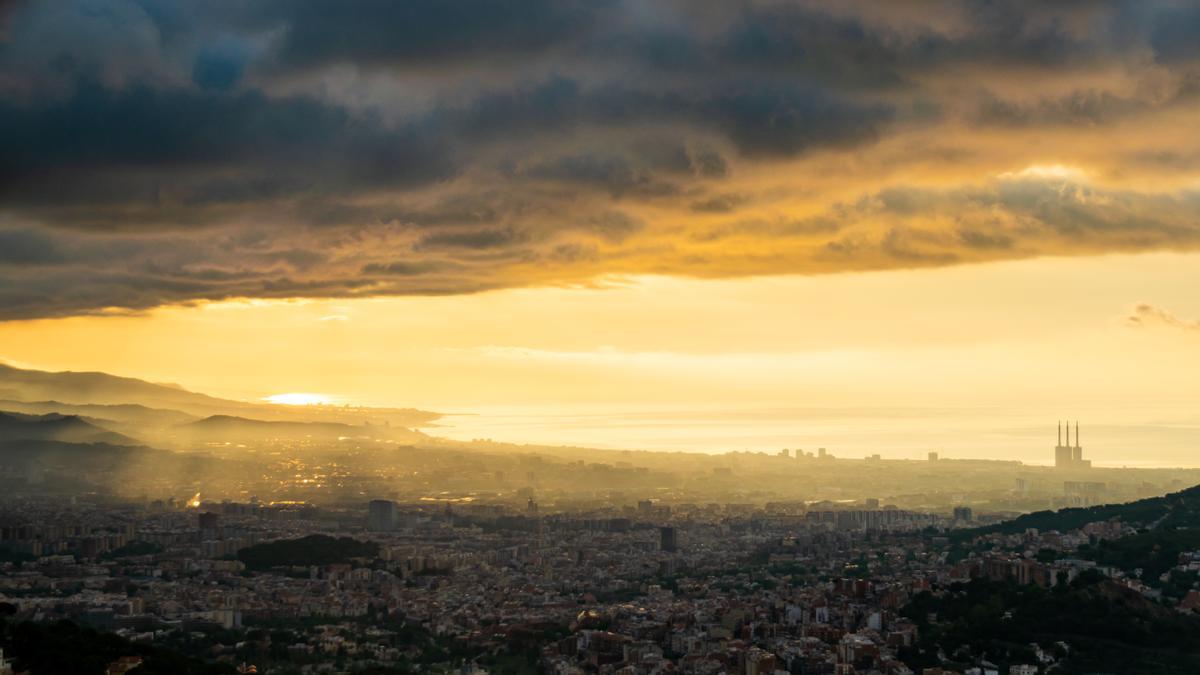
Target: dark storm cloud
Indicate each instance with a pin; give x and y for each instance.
(1175, 33)
(857, 51)
(613, 174)
(767, 119)
(157, 151)
(27, 247)
(481, 239)
(153, 147)
(770, 121)
(220, 65)
(403, 268)
(172, 147)
(421, 32)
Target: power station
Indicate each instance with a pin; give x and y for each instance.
(1067, 456)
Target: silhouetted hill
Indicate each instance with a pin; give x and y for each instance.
(1167, 526)
(229, 428)
(101, 389)
(55, 427)
(1178, 509)
(127, 413)
(93, 388)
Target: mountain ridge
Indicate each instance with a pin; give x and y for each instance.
(248, 427)
(57, 427)
(94, 388)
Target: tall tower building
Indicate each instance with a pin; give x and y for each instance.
(667, 539)
(381, 515)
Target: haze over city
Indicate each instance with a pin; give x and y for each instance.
(600, 336)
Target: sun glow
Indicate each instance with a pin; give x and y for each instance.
(1053, 172)
(299, 398)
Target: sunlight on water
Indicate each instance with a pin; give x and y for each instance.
(895, 433)
(299, 398)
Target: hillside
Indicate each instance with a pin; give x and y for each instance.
(99, 389)
(229, 428)
(55, 427)
(127, 413)
(102, 389)
(1178, 509)
(65, 647)
(1108, 628)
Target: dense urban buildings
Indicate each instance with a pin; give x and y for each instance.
(797, 587)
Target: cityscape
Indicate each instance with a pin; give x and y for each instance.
(599, 337)
(292, 546)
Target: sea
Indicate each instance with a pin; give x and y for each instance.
(1129, 436)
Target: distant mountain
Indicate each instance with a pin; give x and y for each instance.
(219, 428)
(102, 389)
(128, 413)
(55, 427)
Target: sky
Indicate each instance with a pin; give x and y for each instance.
(468, 204)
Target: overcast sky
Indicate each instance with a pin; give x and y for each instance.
(159, 152)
